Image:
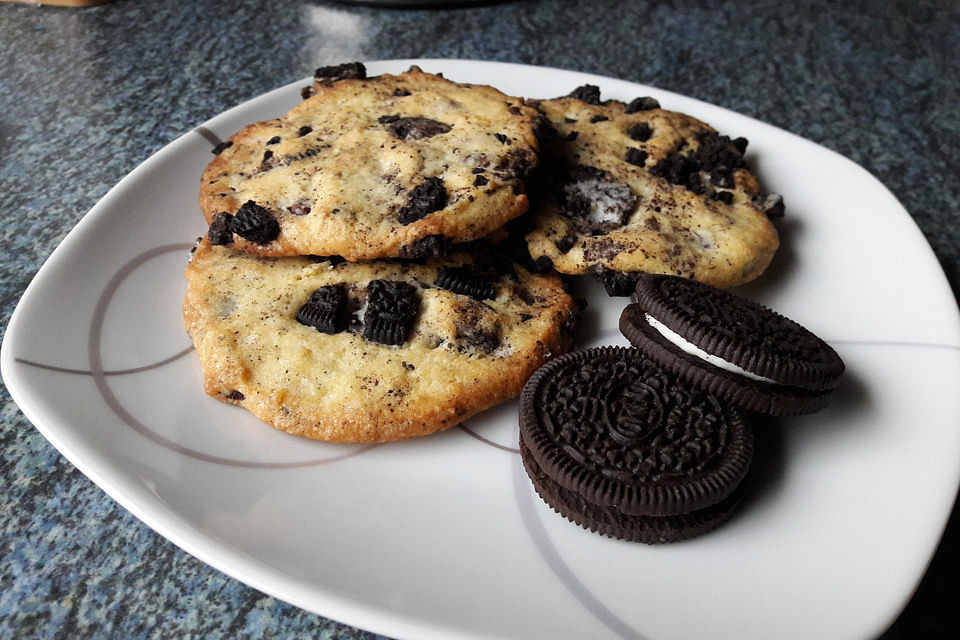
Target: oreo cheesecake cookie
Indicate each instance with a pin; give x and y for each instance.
(635, 188)
(365, 168)
(621, 446)
(732, 347)
(369, 351)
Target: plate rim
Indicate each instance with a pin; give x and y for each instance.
(257, 574)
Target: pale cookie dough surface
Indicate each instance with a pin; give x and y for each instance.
(339, 171)
(630, 219)
(460, 357)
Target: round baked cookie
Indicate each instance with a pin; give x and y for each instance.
(369, 351)
(373, 167)
(735, 348)
(636, 188)
(615, 443)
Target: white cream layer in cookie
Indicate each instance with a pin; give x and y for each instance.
(678, 341)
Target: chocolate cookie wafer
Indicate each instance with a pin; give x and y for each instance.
(617, 444)
(732, 347)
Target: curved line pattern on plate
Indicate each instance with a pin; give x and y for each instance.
(479, 437)
(210, 136)
(113, 372)
(94, 345)
(560, 569)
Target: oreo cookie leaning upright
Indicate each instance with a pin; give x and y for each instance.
(620, 446)
(732, 347)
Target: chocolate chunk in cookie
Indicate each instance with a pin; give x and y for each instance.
(426, 198)
(348, 70)
(636, 157)
(325, 309)
(467, 281)
(589, 93)
(255, 223)
(640, 132)
(427, 247)
(595, 201)
(220, 232)
(645, 103)
(392, 306)
(773, 206)
(417, 128)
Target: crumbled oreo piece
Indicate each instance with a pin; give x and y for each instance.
(566, 243)
(637, 157)
(640, 132)
(389, 119)
(325, 310)
(543, 264)
(718, 152)
(255, 223)
(427, 247)
(304, 130)
(516, 164)
(773, 206)
(467, 281)
(615, 283)
(501, 137)
(429, 196)
(236, 395)
(417, 128)
(726, 197)
(392, 306)
(220, 233)
(723, 179)
(588, 93)
(333, 73)
(306, 92)
(594, 201)
(480, 181)
(300, 208)
(598, 118)
(333, 260)
(645, 103)
(676, 168)
(273, 140)
(217, 150)
(400, 93)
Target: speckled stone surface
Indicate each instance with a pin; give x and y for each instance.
(87, 94)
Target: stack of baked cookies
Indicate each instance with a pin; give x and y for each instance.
(389, 258)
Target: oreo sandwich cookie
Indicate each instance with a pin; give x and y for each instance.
(622, 447)
(742, 352)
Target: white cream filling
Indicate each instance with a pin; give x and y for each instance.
(694, 350)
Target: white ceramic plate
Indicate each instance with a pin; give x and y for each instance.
(443, 537)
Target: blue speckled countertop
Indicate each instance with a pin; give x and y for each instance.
(87, 94)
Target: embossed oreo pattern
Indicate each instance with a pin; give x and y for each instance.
(611, 424)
